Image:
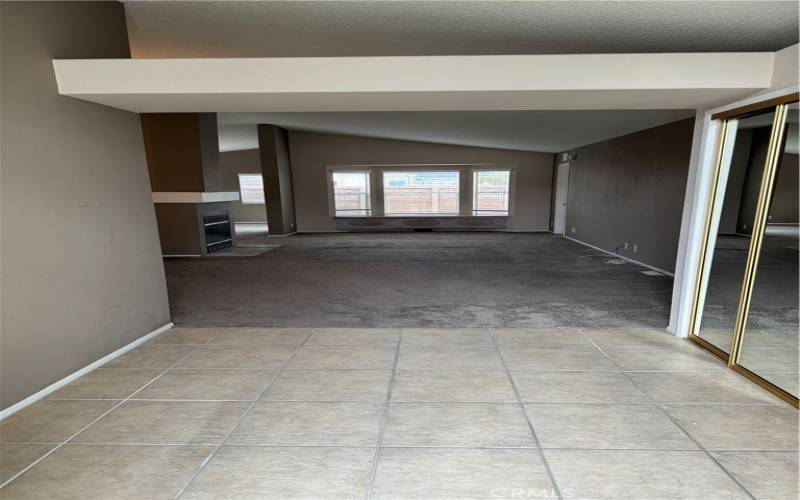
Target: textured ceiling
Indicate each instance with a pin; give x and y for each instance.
(333, 28)
(546, 131)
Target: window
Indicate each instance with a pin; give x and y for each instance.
(351, 194)
(251, 189)
(490, 192)
(420, 193)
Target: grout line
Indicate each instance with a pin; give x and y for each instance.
(674, 421)
(546, 464)
(446, 447)
(70, 438)
(241, 418)
(374, 469)
(401, 402)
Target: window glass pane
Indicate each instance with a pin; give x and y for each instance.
(420, 193)
(351, 193)
(251, 188)
(490, 192)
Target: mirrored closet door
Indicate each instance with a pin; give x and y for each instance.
(769, 340)
(746, 299)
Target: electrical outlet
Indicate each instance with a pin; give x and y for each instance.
(625, 246)
(635, 248)
(573, 229)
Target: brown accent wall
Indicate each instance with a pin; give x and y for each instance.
(276, 167)
(174, 153)
(631, 190)
(82, 273)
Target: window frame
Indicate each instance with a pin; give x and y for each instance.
(424, 168)
(511, 195)
(370, 172)
(241, 196)
(465, 188)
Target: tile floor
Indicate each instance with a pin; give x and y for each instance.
(414, 413)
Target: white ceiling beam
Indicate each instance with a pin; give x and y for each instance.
(578, 81)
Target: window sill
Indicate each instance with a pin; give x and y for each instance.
(419, 216)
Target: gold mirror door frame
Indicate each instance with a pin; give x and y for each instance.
(775, 148)
(774, 152)
(704, 264)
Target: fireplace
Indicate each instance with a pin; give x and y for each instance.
(218, 231)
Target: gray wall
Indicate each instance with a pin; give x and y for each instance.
(313, 152)
(81, 269)
(630, 189)
(232, 164)
(786, 198)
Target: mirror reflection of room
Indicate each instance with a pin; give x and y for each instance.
(770, 342)
(732, 241)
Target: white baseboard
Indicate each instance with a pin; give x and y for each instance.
(83, 371)
(621, 257)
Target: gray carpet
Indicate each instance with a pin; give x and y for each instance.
(418, 280)
(775, 293)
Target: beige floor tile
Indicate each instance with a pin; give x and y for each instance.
(555, 359)
(545, 337)
(108, 473)
(209, 384)
(462, 385)
(239, 356)
(354, 336)
(719, 338)
(721, 427)
(256, 473)
(576, 387)
(107, 383)
(754, 339)
(770, 360)
(789, 337)
(178, 335)
(789, 382)
(678, 358)
(344, 357)
(702, 387)
(310, 424)
(260, 336)
(631, 337)
(461, 473)
(457, 424)
(14, 457)
(634, 475)
(330, 385)
(162, 422)
(448, 357)
(767, 475)
(152, 355)
(601, 426)
(447, 337)
(51, 421)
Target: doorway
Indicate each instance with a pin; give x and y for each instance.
(562, 189)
